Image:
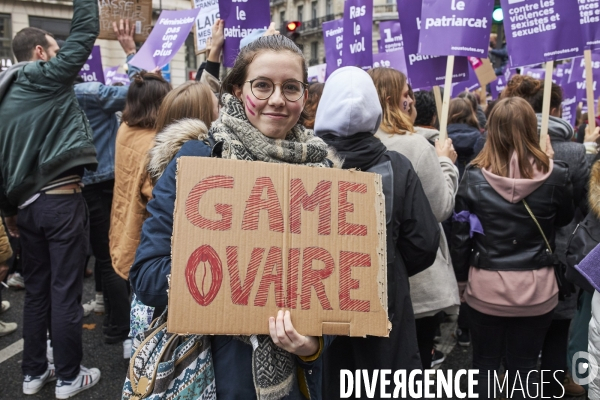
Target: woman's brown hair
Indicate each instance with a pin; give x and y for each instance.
(390, 85)
(146, 93)
(461, 112)
(532, 90)
(190, 100)
(512, 126)
(315, 91)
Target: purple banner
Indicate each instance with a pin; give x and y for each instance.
(423, 70)
(455, 27)
(92, 69)
(541, 30)
(394, 59)
(242, 18)
(589, 18)
(167, 36)
(535, 73)
(497, 86)
(391, 37)
(569, 104)
(469, 85)
(578, 76)
(109, 73)
(358, 34)
(333, 42)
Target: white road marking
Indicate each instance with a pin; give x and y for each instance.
(11, 350)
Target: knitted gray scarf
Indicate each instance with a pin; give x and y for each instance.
(242, 141)
(273, 368)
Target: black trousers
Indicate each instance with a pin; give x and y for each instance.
(554, 355)
(54, 240)
(114, 288)
(519, 340)
(426, 328)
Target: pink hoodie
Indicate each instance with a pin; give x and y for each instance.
(513, 293)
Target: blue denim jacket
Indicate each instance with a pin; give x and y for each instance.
(100, 103)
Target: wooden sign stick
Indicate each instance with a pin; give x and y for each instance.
(589, 86)
(437, 93)
(446, 103)
(546, 104)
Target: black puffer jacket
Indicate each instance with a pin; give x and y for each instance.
(467, 141)
(511, 240)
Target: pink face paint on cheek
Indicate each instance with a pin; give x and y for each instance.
(250, 101)
(252, 104)
(250, 111)
(406, 105)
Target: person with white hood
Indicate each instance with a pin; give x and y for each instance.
(347, 119)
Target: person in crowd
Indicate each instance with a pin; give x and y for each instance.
(583, 240)
(510, 202)
(315, 91)
(268, 79)
(434, 289)
(100, 103)
(554, 354)
(427, 119)
(412, 233)
(464, 130)
(43, 124)
(5, 253)
(479, 112)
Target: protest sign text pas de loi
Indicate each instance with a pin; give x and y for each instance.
(251, 238)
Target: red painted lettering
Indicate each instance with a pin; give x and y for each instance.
(292, 277)
(193, 200)
(256, 203)
(312, 277)
(321, 198)
(201, 255)
(344, 207)
(239, 293)
(274, 259)
(349, 259)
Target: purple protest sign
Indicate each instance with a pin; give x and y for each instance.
(569, 104)
(423, 70)
(589, 18)
(456, 27)
(469, 85)
(391, 36)
(242, 18)
(109, 73)
(358, 34)
(535, 73)
(394, 59)
(333, 42)
(167, 36)
(92, 69)
(497, 86)
(541, 30)
(578, 76)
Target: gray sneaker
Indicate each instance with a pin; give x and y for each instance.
(7, 328)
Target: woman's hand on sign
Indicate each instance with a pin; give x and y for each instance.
(446, 150)
(284, 335)
(549, 149)
(125, 34)
(591, 137)
(271, 30)
(217, 41)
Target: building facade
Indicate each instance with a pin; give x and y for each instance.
(55, 16)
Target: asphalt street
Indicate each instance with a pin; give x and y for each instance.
(109, 358)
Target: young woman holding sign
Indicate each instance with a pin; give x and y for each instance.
(510, 203)
(262, 102)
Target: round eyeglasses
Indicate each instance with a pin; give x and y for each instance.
(263, 88)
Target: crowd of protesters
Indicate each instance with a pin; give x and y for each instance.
(484, 224)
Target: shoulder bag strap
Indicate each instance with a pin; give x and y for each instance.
(538, 225)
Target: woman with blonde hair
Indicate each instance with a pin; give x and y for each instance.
(434, 289)
(510, 203)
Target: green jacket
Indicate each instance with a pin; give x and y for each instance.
(43, 132)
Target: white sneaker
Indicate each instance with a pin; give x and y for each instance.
(16, 281)
(127, 348)
(33, 384)
(99, 306)
(88, 307)
(5, 306)
(7, 328)
(85, 380)
(49, 352)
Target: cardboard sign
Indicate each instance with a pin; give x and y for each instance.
(167, 37)
(456, 27)
(242, 18)
(209, 13)
(424, 70)
(251, 238)
(138, 12)
(333, 40)
(391, 36)
(358, 34)
(92, 69)
(541, 30)
(483, 69)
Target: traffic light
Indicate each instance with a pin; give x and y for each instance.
(498, 15)
(292, 29)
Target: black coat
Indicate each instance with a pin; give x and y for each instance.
(412, 242)
(511, 239)
(467, 141)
